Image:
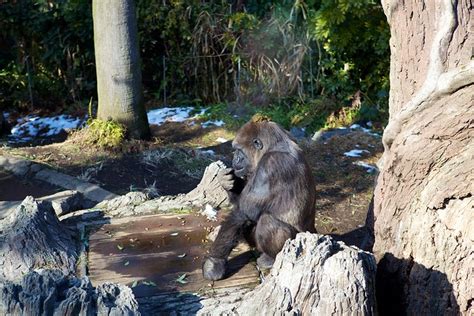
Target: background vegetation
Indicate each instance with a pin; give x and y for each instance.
(313, 64)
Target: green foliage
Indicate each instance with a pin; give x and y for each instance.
(354, 39)
(46, 53)
(297, 61)
(104, 134)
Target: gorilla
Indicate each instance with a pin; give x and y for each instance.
(271, 188)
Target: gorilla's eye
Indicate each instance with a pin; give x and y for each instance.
(257, 143)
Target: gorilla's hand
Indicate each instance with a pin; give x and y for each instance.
(226, 178)
(214, 268)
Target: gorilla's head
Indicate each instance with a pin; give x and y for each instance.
(254, 140)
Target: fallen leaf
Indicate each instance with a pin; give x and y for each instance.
(181, 279)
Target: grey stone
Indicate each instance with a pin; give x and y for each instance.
(50, 292)
(17, 166)
(65, 201)
(90, 191)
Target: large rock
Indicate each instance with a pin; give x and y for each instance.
(312, 275)
(49, 292)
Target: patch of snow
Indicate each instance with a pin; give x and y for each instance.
(209, 152)
(355, 152)
(167, 114)
(370, 168)
(365, 130)
(35, 126)
(221, 140)
(218, 123)
(209, 212)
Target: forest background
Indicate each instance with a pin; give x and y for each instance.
(309, 64)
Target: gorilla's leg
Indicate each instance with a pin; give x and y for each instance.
(270, 236)
(229, 234)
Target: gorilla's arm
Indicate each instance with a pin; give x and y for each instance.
(231, 229)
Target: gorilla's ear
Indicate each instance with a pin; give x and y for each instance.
(257, 143)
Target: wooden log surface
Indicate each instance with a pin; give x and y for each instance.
(150, 253)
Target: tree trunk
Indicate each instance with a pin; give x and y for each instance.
(119, 78)
(423, 202)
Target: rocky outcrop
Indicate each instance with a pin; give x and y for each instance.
(312, 275)
(38, 259)
(32, 237)
(50, 292)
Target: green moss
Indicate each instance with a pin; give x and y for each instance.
(105, 134)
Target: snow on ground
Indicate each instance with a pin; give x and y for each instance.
(355, 152)
(179, 114)
(221, 140)
(218, 123)
(365, 130)
(209, 212)
(30, 127)
(370, 168)
(208, 152)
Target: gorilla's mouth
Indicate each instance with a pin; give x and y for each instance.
(240, 172)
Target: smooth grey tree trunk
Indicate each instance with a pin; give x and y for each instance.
(119, 78)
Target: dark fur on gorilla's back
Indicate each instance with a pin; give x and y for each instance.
(272, 191)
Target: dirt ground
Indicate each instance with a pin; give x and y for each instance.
(174, 160)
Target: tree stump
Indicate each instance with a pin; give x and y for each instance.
(50, 292)
(208, 191)
(31, 237)
(312, 275)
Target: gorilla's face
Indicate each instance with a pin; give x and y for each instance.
(244, 157)
(240, 163)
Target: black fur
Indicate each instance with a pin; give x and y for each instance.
(272, 190)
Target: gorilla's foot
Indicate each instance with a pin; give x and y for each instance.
(265, 261)
(214, 268)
